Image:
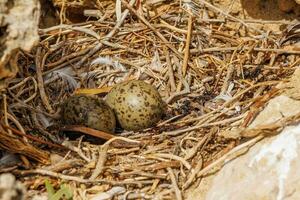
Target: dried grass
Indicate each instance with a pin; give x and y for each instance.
(215, 70)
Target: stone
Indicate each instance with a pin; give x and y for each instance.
(10, 188)
(19, 21)
(268, 171)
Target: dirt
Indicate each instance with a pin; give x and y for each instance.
(268, 10)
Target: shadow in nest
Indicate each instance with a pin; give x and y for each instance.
(272, 9)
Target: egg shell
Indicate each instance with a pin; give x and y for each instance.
(137, 104)
(90, 111)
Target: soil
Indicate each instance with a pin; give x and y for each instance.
(267, 10)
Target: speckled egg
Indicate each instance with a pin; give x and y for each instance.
(137, 104)
(89, 111)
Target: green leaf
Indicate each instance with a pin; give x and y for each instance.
(64, 191)
(49, 188)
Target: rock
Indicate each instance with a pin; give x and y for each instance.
(199, 193)
(281, 106)
(286, 5)
(269, 170)
(10, 189)
(19, 21)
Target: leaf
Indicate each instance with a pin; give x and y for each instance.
(49, 188)
(64, 191)
(93, 90)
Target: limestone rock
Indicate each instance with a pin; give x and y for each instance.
(10, 188)
(19, 21)
(268, 171)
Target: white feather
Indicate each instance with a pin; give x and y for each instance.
(155, 63)
(90, 74)
(66, 74)
(45, 121)
(108, 61)
(191, 5)
(102, 61)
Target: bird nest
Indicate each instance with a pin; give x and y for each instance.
(214, 67)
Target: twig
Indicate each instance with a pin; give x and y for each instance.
(174, 184)
(127, 151)
(64, 59)
(81, 180)
(101, 162)
(167, 43)
(232, 154)
(32, 137)
(119, 46)
(205, 122)
(17, 124)
(169, 120)
(209, 5)
(230, 70)
(5, 112)
(40, 79)
(170, 70)
(88, 131)
(180, 93)
(14, 144)
(64, 164)
(226, 49)
(107, 37)
(71, 147)
(200, 144)
(21, 83)
(207, 115)
(193, 174)
(173, 157)
(186, 50)
(69, 28)
(145, 174)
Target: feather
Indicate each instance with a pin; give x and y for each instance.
(90, 74)
(108, 61)
(102, 61)
(45, 121)
(66, 74)
(155, 63)
(190, 5)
